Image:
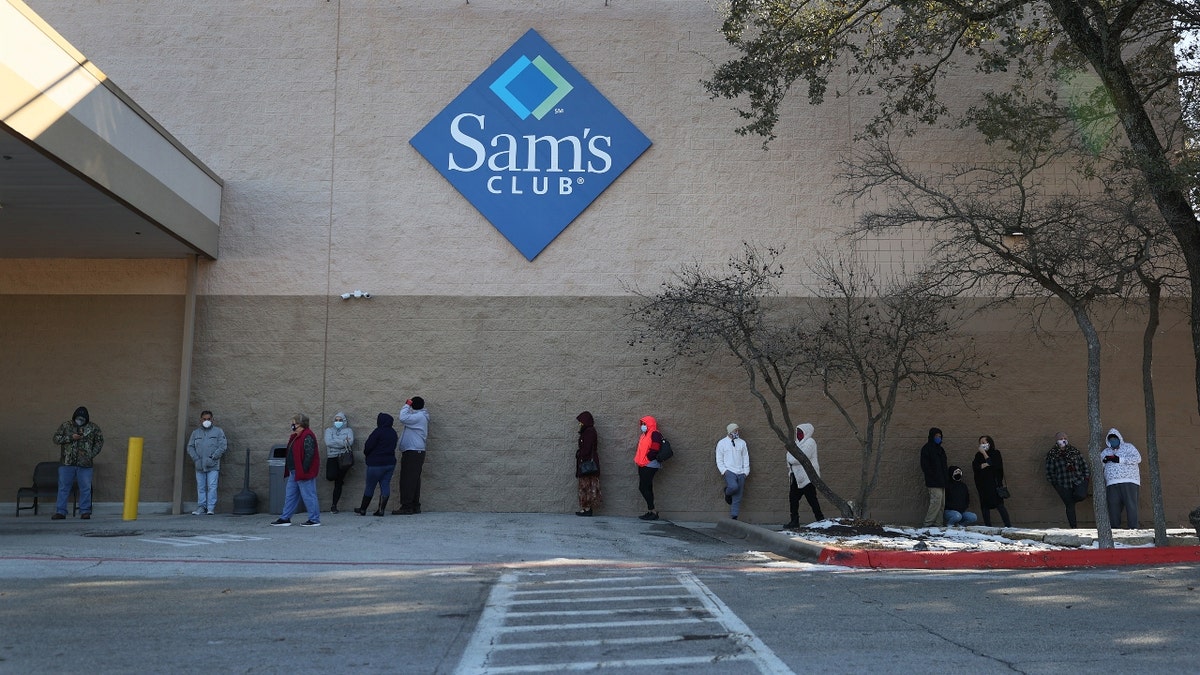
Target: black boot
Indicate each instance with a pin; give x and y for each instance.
(362, 510)
(382, 505)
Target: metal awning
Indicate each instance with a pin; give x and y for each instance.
(84, 171)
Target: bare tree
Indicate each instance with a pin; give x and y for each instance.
(1005, 230)
(865, 341)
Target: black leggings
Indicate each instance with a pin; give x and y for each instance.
(646, 485)
(987, 515)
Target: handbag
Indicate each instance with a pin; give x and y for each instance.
(589, 467)
(346, 460)
(1002, 491)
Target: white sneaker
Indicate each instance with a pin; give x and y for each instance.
(212, 513)
(199, 511)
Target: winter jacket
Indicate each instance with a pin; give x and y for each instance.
(648, 444)
(338, 441)
(958, 497)
(988, 478)
(808, 446)
(588, 443)
(933, 461)
(1066, 467)
(733, 455)
(416, 428)
(79, 452)
(1122, 467)
(380, 448)
(206, 447)
(303, 455)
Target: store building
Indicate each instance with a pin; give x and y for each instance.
(182, 240)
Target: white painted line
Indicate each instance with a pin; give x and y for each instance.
(615, 598)
(765, 658)
(629, 663)
(491, 620)
(607, 612)
(653, 587)
(650, 639)
(598, 624)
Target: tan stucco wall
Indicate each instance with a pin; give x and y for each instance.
(306, 108)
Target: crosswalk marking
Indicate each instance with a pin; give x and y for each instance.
(531, 623)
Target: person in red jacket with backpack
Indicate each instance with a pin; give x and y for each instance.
(302, 466)
(646, 459)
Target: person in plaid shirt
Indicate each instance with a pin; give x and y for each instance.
(1068, 472)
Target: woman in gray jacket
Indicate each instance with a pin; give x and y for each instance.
(339, 440)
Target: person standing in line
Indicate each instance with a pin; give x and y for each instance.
(733, 462)
(588, 451)
(339, 440)
(301, 468)
(934, 468)
(415, 418)
(1122, 479)
(379, 454)
(800, 483)
(988, 467)
(206, 447)
(958, 500)
(646, 459)
(1068, 473)
(79, 441)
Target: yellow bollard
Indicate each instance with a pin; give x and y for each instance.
(133, 477)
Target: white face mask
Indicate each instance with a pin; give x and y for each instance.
(207, 424)
(1062, 442)
(983, 447)
(643, 428)
(79, 421)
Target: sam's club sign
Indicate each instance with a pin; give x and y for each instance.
(530, 143)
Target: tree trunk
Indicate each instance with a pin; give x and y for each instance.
(1153, 298)
(1095, 432)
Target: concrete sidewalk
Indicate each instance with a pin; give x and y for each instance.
(795, 547)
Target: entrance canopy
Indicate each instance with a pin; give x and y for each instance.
(84, 171)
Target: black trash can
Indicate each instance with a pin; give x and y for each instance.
(277, 485)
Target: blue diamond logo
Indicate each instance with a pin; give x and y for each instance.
(531, 144)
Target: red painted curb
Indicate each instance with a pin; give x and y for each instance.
(948, 560)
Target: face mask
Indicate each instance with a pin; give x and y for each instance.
(1062, 442)
(339, 424)
(207, 424)
(1114, 443)
(983, 447)
(938, 440)
(79, 421)
(643, 428)
(293, 426)
(734, 435)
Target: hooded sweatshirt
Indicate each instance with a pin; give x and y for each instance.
(648, 444)
(338, 441)
(958, 495)
(380, 448)
(416, 428)
(807, 445)
(1125, 468)
(588, 444)
(933, 461)
(79, 452)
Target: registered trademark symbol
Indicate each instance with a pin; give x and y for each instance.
(579, 180)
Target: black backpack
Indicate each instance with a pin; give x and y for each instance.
(664, 450)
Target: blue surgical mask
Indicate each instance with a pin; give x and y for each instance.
(644, 428)
(938, 440)
(339, 424)
(1114, 443)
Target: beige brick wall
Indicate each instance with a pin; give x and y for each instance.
(305, 109)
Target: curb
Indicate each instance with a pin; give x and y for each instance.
(950, 560)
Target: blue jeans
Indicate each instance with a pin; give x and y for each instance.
(735, 486)
(381, 475)
(955, 518)
(297, 490)
(206, 489)
(71, 474)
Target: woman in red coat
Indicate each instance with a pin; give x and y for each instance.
(302, 466)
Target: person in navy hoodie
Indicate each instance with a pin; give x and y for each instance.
(379, 453)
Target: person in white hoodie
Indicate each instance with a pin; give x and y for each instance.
(800, 482)
(733, 461)
(1122, 479)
